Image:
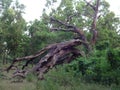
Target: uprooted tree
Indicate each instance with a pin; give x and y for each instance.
(63, 52)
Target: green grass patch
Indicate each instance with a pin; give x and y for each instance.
(55, 79)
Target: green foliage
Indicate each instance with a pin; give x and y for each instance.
(12, 30)
(61, 80)
(31, 78)
(46, 85)
(113, 56)
(40, 36)
(103, 67)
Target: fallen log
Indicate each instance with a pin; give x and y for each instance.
(57, 53)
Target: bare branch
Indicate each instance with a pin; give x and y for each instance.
(61, 22)
(62, 29)
(93, 27)
(50, 49)
(88, 3)
(69, 18)
(72, 29)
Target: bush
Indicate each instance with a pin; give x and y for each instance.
(102, 67)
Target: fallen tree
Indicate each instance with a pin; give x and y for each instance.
(59, 53)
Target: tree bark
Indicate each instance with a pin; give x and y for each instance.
(58, 53)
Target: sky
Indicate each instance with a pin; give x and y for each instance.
(34, 8)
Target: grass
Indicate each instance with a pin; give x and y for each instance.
(59, 80)
(54, 80)
(8, 85)
(50, 85)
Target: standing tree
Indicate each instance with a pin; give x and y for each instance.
(12, 26)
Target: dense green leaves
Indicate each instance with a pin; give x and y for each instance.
(12, 29)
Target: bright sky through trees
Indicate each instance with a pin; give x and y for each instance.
(34, 8)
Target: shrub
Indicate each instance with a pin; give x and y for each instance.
(102, 67)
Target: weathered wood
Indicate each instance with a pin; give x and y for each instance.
(71, 28)
(57, 53)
